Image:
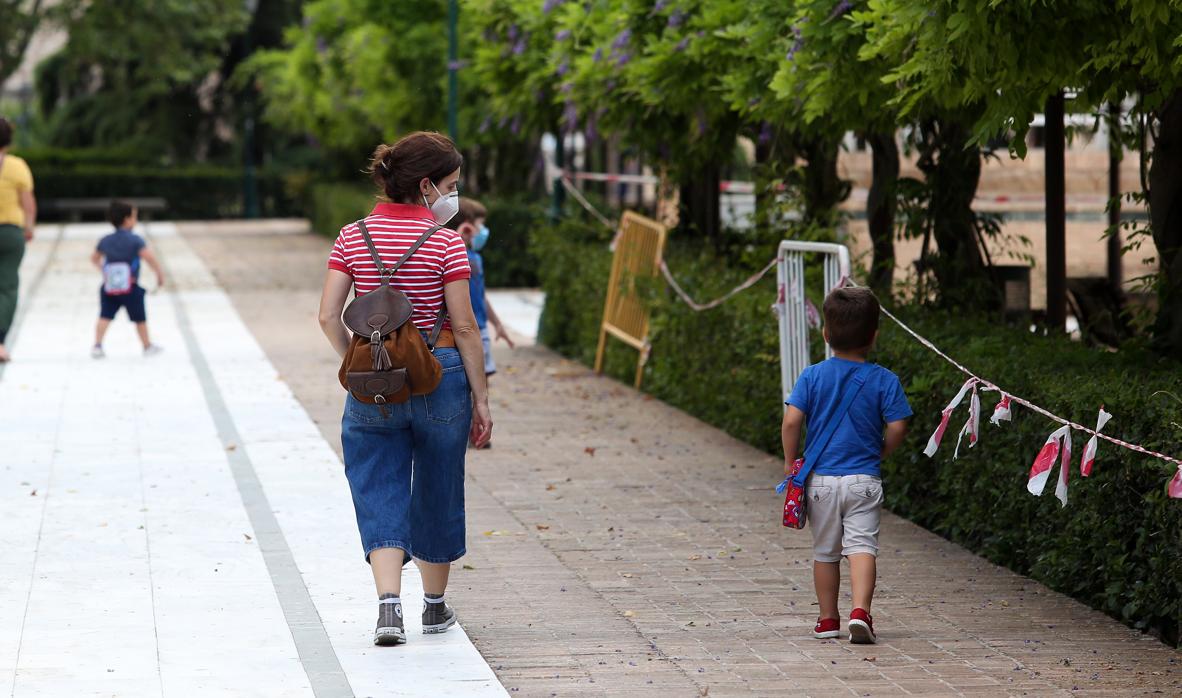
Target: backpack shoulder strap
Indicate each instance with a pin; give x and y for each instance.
(386, 272)
(816, 445)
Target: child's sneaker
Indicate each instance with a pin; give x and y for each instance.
(390, 630)
(827, 628)
(437, 616)
(153, 349)
(862, 628)
(96, 352)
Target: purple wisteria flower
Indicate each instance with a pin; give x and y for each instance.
(660, 5)
(598, 55)
(550, 5)
(513, 32)
(624, 58)
(321, 45)
(676, 19)
(515, 127)
(570, 117)
(682, 44)
(841, 8)
(485, 124)
(519, 47)
(567, 88)
(797, 44)
(765, 133)
(589, 130)
(622, 39)
(562, 35)
(562, 69)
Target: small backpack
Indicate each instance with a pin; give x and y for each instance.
(387, 360)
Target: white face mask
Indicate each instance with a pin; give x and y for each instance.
(446, 206)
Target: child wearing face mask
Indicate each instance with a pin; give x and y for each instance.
(469, 223)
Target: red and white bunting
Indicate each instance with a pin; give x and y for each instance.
(1089, 454)
(938, 434)
(972, 425)
(1002, 412)
(1174, 488)
(1058, 443)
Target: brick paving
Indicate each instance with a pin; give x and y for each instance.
(619, 547)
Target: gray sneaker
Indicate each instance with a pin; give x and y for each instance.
(96, 352)
(153, 349)
(437, 617)
(390, 630)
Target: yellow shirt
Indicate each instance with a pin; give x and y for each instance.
(15, 178)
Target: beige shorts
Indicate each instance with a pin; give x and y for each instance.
(843, 512)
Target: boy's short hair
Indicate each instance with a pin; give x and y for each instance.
(851, 318)
(471, 211)
(118, 212)
(5, 132)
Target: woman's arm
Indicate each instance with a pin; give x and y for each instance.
(463, 326)
(337, 285)
(29, 205)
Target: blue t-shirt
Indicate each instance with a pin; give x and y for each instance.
(476, 288)
(122, 246)
(856, 447)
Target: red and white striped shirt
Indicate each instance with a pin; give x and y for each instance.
(394, 228)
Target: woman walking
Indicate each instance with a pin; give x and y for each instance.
(18, 215)
(405, 462)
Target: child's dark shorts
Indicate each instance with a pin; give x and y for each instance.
(134, 302)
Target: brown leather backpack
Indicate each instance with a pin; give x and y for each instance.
(387, 360)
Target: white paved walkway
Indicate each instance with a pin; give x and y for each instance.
(177, 525)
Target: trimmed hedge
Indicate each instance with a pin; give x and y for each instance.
(1118, 544)
(508, 260)
(192, 192)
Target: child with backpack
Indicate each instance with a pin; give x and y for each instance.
(847, 404)
(118, 256)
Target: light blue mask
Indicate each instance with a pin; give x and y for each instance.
(480, 239)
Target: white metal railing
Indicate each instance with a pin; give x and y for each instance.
(792, 303)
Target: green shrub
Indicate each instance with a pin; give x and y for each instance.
(1118, 544)
(333, 205)
(508, 260)
(192, 192)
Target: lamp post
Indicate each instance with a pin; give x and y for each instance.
(453, 89)
(250, 185)
(1056, 215)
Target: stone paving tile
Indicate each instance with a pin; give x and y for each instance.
(616, 521)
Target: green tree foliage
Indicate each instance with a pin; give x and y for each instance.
(999, 61)
(144, 75)
(18, 20)
(355, 72)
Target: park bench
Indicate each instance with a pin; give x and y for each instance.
(74, 208)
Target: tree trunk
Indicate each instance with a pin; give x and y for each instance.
(699, 203)
(1165, 219)
(953, 168)
(880, 209)
(775, 157)
(823, 189)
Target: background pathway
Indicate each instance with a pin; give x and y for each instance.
(618, 547)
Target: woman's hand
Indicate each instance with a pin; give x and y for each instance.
(481, 432)
(28, 234)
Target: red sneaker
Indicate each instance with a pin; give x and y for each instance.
(862, 628)
(826, 628)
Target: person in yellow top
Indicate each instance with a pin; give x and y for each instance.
(18, 215)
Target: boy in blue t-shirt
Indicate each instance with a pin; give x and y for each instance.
(844, 489)
(118, 257)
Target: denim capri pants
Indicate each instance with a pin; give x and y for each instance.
(406, 467)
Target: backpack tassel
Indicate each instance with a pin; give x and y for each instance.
(378, 353)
